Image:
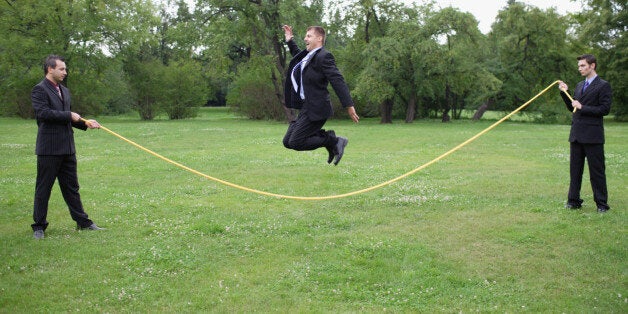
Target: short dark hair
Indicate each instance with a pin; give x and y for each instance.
(51, 62)
(318, 30)
(589, 58)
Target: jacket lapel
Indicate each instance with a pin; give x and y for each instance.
(592, 86)
(66, 97)
(56, 100)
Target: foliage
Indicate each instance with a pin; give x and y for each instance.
(601, 30)
(183, 89)
(531, 51)
(428, 67)
(145, 81)
(400, 60)
(81, 31)
(252, 95)
(248, 29)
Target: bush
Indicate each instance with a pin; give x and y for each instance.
(184, 90)
(253, 95)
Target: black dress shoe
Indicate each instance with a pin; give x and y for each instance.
(602, 209)
(573, 206)
(93, 226)
(340, 149)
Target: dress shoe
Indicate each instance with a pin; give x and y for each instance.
(39, 234)
(602, 209)
(93, 226)
(340, 149)
(331, 150)
(573, 206)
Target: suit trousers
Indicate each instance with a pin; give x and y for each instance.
(63, 168)
(304, 134)
(594, 154)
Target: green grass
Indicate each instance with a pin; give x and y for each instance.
(482, 230)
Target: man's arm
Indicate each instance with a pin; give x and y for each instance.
(335, 78)
(339, 85)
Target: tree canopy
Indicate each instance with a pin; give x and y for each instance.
(400, 61)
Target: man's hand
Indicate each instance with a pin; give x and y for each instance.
(576, 104)
(353, 114)
(562, 86)
(287, 29)
(75, 117)
(92, 124)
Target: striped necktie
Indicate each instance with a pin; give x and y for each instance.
(59, 91)
(296, 76)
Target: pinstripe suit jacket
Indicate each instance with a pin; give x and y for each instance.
(320, 72)
(55, 135)
(587, 124)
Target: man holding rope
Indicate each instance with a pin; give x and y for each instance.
(592, 101)
(55, 150)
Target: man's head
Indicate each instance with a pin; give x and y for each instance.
(314, 37)
(587, 65)
(55, 69)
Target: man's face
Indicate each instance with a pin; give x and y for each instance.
(312, 40)
(584, 68)
(59, 73)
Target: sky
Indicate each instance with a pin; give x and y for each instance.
(485, 11)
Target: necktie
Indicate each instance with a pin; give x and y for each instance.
(586, 84)
(296, 76)
(59, 91)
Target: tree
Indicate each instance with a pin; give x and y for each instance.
(383, 75)
(377, 81)
(601, 30)
(237, 31)
(86, 33)
(459, 73)
(530, 51)
(428, 66)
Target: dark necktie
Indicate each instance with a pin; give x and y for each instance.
(586, 84)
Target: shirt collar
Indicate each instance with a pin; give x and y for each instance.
(309, 54)
(55, 85)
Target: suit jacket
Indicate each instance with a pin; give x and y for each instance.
(587, 124)
(319, 72)
(55, 135)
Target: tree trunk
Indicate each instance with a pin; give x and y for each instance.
(411, 109)
(386, 111)
(482, 109)
(446, 117)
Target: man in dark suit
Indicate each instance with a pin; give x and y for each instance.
(592, 101)
(55, 150)
(309, 73)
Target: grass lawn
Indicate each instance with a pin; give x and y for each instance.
(484, 229)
